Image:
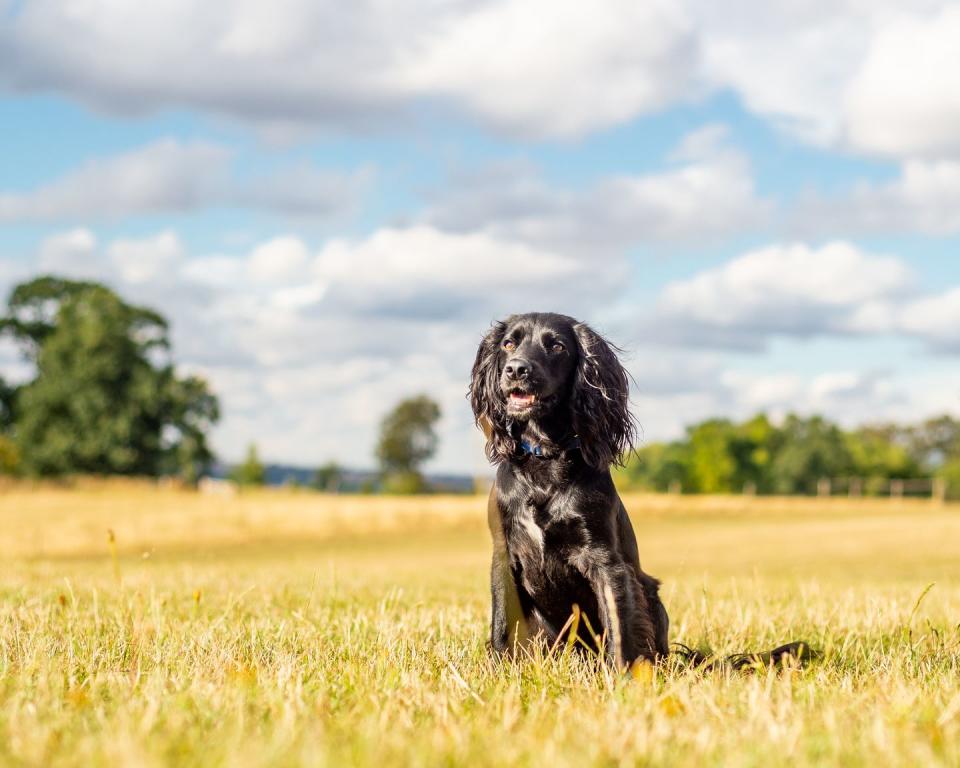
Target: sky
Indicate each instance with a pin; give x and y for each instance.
(331, 202)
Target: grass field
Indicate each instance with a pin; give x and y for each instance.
(286, 629)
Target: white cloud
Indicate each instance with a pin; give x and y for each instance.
(801, 292)
(278, 260)
(528, 65)
(169, 176)
(543, 68)
(875, 76)
(706, 191)
(150, 258)
(923, 198)
(934, 318)
(905, 99)
(164, 176)
(308, 347)
(73, 253)
(792, 290)
(785, 60)
(395, 270)
(854, 397)
(850, 397)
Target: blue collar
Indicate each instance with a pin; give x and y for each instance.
(537, 450)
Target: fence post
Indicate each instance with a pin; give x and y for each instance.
(823, 486)
(749, 488)
(856, 487)
(675, 488)
(939, 490)
(896, 489)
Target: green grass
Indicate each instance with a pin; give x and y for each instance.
(282, 629)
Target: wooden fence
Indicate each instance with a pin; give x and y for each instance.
(896, 488)
(933, 487)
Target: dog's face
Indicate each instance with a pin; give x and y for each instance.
(536, 365)
(537, 358)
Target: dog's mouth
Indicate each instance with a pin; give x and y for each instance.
(518, 400)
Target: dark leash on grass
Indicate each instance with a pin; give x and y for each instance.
(795, 653)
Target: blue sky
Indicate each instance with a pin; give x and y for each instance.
(332, 202)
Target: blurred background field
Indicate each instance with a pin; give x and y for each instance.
(291, 627)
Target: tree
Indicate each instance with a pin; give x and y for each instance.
(811, 449)
(656, 467)
(407, 440)
(879, 452)
(754, 446)
(9, 456)
(328, 477)
(935, 442)
(251, 471)
(712, 465)
(105, 398)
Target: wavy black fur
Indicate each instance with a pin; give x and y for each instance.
(563, 543)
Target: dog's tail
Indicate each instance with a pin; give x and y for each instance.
(797, 652)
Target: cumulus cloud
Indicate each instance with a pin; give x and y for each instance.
(309, 346)
(787, 290)
(904, 99)
(923, 198)
(424, 271)
(934, 318)
(165, 176)
(557, 70)
(797, 291)
(854, 396)
(851, 397)
(143, 260)
(170, 176)
(875, 77)
(706, 191)
(542, 68)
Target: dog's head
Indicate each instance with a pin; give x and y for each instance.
(542, 365)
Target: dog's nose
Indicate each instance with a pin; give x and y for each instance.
(517, 368)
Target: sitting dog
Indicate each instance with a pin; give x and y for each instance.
(552, 397)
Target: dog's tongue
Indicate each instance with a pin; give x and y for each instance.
(519, 398)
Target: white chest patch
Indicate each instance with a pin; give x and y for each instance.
(534, 531)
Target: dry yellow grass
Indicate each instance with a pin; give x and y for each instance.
(293, 628)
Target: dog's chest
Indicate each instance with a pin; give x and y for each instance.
(544, 532)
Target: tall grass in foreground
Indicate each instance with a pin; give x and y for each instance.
(238, 636)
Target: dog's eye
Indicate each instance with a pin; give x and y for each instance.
(509, 345)
(557, 347)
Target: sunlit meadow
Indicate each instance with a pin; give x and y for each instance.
(144, 626)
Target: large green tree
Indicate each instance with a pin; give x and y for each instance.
(407, 440)
(105, 398)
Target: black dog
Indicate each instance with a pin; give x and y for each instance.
(553, 399)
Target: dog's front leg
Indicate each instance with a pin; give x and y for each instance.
(628, 631)
(508, 625)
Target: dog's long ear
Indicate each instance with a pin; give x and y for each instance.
(489, 409)
(600, 401)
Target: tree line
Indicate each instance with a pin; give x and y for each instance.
(104, 398)
(796, 455)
